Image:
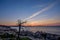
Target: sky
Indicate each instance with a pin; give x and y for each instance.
(36, 12)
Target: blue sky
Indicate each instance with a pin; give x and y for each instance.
(12, 10)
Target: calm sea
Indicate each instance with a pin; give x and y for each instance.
(53, 30)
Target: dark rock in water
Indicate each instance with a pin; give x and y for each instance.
(58, 38)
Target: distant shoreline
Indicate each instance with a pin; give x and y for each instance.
(29, 26)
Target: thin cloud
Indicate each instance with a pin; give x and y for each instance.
(41, 11)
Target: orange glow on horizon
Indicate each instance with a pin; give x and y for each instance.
(48, 22)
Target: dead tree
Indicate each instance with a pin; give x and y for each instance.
(20, 22)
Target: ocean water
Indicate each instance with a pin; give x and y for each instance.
(53, 30)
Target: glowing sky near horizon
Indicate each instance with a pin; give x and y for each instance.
(12, 10)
